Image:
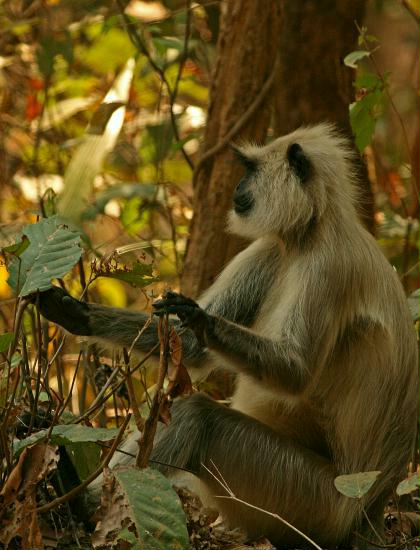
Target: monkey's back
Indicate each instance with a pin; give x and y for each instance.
(360, 404)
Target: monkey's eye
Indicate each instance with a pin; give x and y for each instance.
(299, 162)
(249, 164)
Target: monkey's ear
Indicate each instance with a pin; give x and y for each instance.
(299, 162)
(248, 163)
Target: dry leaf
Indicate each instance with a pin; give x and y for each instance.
(18, 516)
(179, 379)
(114, 513)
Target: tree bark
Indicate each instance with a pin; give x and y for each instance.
(304, 45)
(313, 83)
(246, 50)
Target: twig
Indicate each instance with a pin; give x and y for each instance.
(101, 398)
(375, 544)
(39, 372)
(240, 123)
(233, 497)
(372, 526)
(17, 321)
(71, 494)
(72, 384)
(138, 42)
(148, 435)
(26, 373)
(174, 93)
(57, 349)
(132, 394)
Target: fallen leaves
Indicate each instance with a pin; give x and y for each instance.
(18, 516)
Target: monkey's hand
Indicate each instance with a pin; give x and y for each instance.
(188, 311)
(56, 305)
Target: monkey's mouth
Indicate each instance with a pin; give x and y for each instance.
(242, 203)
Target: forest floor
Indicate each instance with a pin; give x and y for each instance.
(207, 532)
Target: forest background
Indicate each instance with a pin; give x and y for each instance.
(118, 117)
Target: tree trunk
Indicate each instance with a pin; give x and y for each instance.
(313, 83)
(246, 50)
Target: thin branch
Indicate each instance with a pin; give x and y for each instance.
(241, 122)
(372, 526)
(101, 398)
(63, 407)
(71, 494)
(132, 394)
(138, 42)
(148, 435)
(233, 497)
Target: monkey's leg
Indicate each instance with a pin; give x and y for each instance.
(262, 468)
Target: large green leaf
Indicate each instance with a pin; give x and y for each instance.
(155, 508)
(65, 434)
(356, 485)
(53, 251)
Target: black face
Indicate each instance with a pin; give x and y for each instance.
(242, 198)
(299, 162)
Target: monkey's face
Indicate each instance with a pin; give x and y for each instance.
(271, 197)
(287, 183)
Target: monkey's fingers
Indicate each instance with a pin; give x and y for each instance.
(182, 311)
(173, 299)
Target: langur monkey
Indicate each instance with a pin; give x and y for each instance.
(314, 321)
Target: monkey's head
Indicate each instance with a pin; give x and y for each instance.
(292, 183)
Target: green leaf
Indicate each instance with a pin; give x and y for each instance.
(356, 485)
(155, 508)
(65, 434)
(352, 58)
(140, 275)
(45, 54)
(18, 248)
(49, 48)
(162, 43)
(162, 136)
(368, 80)
(5, 340)
(49, 199)
(408, 485)
(85, 457)
(53, 251)
(133, 217)
(363, 115)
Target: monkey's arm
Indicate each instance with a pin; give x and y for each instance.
(236, 296)
(282, 363)
(119, 326)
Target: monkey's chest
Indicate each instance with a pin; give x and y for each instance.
(276, 310)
